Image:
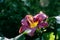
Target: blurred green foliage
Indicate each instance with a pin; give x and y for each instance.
(12, 11)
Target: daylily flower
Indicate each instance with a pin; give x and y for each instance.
(33, 23)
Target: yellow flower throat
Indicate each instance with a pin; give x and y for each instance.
(33, 24)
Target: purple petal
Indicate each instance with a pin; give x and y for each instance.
(32, 32)
(22, 29)
(24, 22)
(42, 24)
(41, 16)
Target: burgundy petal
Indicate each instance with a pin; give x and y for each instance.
(22, 29)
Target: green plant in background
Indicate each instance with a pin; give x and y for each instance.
(12, 11)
